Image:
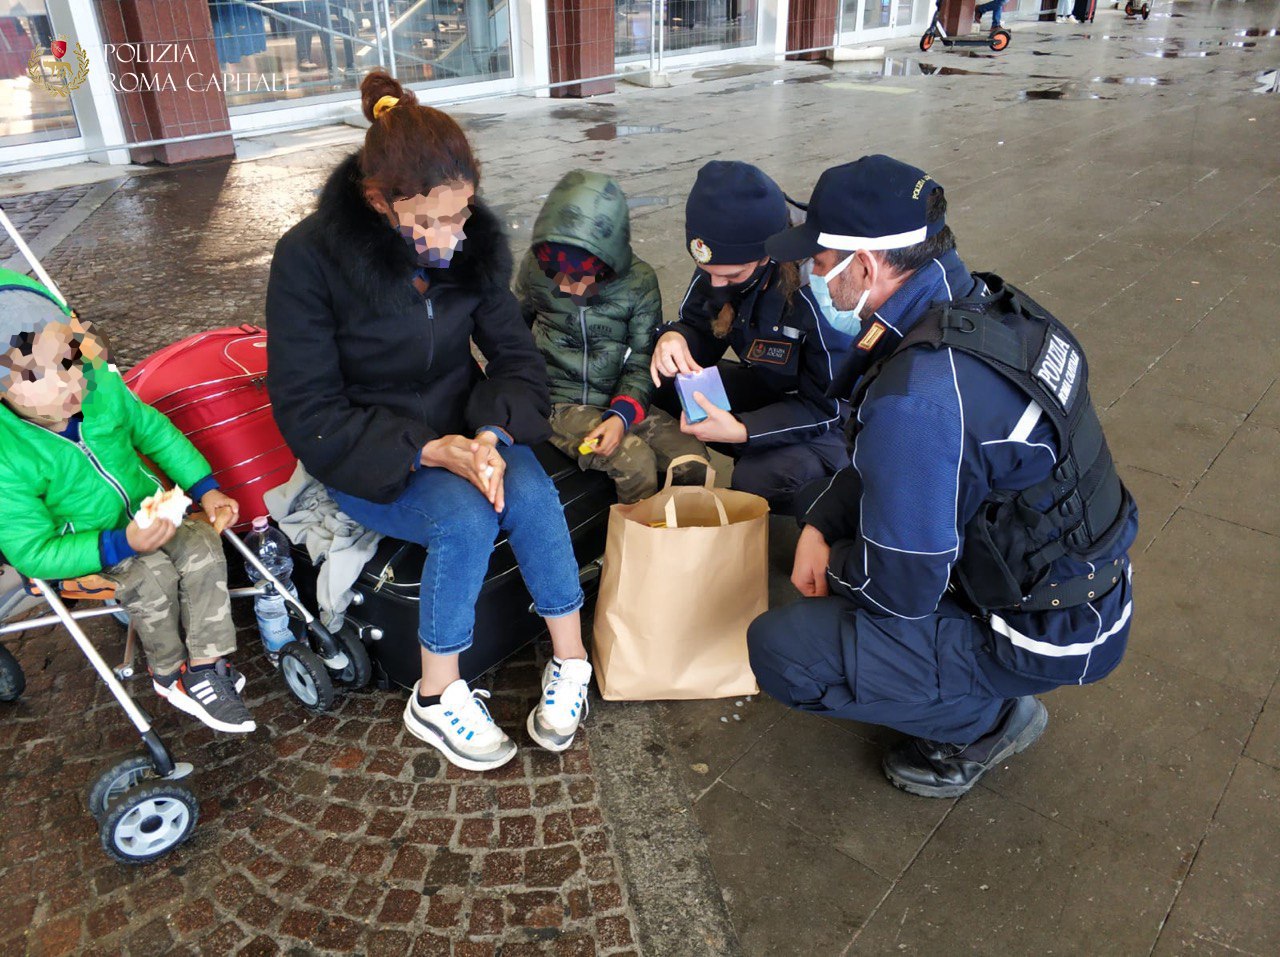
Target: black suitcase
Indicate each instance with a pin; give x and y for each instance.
(1084, 10)
(385, 610)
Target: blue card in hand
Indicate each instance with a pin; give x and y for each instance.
(708, 383)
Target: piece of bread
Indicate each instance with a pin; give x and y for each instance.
(171, 504)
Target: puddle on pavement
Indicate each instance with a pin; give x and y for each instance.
(1257, 32)
(1178, 54)
(613, 131)
(1135, 80)
(586, 112)
(477, 121)
(730, 72)
(1066, 92)
(825, 77)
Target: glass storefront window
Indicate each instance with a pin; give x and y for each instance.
(327, 46)
(687, 25)
(876, 14)
(35, 101)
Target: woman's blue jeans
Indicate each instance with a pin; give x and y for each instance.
(457, 525)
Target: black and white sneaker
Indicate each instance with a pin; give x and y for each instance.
(460, 728)
(163, 684)
(563, 705)
(210, 694)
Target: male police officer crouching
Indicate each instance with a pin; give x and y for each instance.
(975, 550)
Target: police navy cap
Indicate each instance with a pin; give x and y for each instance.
(732, 210)
(873, 203)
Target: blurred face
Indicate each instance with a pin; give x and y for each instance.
(732, 275)
(42, 377)
(434, 223)
(574, 285)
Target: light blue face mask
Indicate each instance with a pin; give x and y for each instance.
(848, 321)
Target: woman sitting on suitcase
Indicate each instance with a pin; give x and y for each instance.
(372, 305)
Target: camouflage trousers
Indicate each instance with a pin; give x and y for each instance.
(185, 582)
(639, 465)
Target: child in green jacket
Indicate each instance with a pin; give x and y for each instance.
(71, 480)
(594, 307)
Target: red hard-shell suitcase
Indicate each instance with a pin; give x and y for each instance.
(213, 387)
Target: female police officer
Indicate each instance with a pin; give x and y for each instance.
(783, 431)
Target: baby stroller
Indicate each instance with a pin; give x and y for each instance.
(212, 386)
(142, 809)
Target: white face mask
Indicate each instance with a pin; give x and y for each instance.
(848, 321)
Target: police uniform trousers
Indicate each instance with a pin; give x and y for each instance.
(931, 677)
(776, 474)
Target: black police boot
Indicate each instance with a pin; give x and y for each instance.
(934, 769)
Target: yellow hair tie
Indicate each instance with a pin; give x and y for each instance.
(384, 103)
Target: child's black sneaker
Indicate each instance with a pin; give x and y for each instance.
(209, 693)
(163, 684)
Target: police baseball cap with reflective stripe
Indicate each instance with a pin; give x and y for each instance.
(873, 203)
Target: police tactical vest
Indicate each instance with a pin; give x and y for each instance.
(1080, 509)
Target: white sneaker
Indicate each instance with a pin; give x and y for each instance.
(460, 728)
(555, 720)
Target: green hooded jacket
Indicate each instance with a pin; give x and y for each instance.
(599, 352)
(57, 496)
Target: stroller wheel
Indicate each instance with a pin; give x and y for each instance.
(1146, 10)
(124, 775)
(116, 780)
(926, 42)
(12, 681)
(999, 40)
(359, 668)
(306, 676)
(148, 821)
(1128, 8)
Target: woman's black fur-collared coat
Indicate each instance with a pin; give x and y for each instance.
(364, 370)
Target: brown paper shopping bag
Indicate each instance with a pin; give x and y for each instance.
(685, 572)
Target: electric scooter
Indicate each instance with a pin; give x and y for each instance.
(998, 39)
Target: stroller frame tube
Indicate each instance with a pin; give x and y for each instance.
(160, 756)
(28, 624)
(29, 256)
(330, 651)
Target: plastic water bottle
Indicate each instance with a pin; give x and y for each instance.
(272, 548)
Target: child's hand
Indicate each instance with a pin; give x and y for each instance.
(221, 509)
(608, 433)
(147, 540)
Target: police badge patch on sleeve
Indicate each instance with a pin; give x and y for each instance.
(1058, 367)
(770, 351)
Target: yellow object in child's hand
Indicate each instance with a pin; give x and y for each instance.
(586, 448)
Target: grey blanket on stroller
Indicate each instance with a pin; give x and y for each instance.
(336, 544)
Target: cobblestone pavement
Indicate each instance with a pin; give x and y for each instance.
(33, 213)
(1124, 173)
(319, 834)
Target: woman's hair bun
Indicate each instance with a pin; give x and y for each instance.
(380, 83)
